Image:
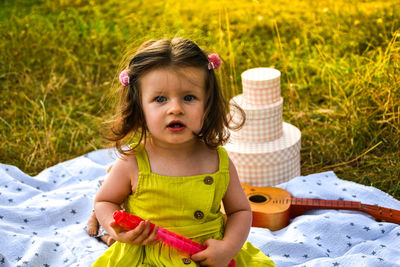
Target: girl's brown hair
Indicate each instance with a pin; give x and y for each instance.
(176, 53)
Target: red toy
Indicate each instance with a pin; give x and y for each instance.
(129, 221)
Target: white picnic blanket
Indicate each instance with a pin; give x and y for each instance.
(42, 220)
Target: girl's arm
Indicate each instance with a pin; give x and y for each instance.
(239, 217)
(120, 183)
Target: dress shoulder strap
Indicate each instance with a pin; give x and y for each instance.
(223, 159)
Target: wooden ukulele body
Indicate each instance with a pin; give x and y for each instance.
(275, 199)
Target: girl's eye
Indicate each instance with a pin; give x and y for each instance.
(189, 98)
(160, 99)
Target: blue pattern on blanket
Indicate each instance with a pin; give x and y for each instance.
(42, 220)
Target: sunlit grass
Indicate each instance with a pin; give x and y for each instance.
(340, 63)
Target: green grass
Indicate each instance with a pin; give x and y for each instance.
(340, 64)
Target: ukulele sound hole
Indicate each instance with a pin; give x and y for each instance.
(258, 198)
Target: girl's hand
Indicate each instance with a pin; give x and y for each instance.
(139, 236)
(215, 255)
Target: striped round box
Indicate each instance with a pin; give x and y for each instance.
(261, 86)
(269, 163)
(262, 125)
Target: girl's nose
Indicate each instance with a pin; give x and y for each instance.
(175, 107)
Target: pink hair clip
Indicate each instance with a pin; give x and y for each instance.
(214, 61)
(124, 77)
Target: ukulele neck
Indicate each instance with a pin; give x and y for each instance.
(314, 203)
(301, 205)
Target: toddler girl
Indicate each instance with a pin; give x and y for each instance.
(176, 173)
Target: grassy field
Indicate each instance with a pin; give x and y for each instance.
(340, 64)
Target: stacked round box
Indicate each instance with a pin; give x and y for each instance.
(266, 150)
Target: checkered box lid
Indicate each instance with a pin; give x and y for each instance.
(261, 86)
(257, 113)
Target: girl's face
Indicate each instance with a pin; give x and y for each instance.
(173, 102)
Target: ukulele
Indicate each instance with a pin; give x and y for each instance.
(273, 207)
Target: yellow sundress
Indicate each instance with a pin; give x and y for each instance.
(189, 206)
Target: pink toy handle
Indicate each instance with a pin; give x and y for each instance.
(130, 221)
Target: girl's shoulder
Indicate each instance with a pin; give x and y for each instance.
(125, 164)
(129, 159)
(126, 168)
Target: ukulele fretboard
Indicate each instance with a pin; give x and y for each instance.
(301, 205)
(313, 203)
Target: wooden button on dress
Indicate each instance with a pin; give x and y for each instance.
(198, 214)
(208, 180)
(186, 261)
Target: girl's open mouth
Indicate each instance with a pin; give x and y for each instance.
(176, 126)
